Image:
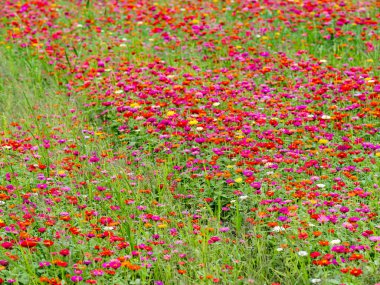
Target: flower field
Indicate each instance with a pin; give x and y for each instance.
(189, 142)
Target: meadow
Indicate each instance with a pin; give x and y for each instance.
(189, 142)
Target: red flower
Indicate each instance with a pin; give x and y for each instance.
(64, 252)
(61, 263)
(314, 254)
(356, 272)
(28, 243)
(48, 243)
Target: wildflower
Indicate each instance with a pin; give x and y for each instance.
(356, 272)
(114, 263)
(7, 245)
(213, 239)
(224, 229)
(44, 264)
(64, 252)
(344, 209)
(97, 272)
(170, 113)
(315, 254)
(28, 243)
(302, 253)
(374, 238)
(239, 180)
(76, 278)
(278, 229)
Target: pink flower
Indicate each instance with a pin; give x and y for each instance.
(374, 238)
(7, 245)
(213, 239)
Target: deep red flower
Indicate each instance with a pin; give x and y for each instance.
(64, 252)
(28, 243)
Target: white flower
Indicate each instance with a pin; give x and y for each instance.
(279, 249)
(216, 104)
(335, 241)
(326, 117)
(315, 280)
(278, 229)
(302, 253)
(2, 203)
(321, 185)
(243, 197)
(108, 228)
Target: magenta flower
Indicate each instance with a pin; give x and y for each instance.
(76, 278)
(213, 239)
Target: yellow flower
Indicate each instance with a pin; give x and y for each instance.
(377, 154)
(239, 180)
(170, 113)
(323, 141)
(193, 122)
